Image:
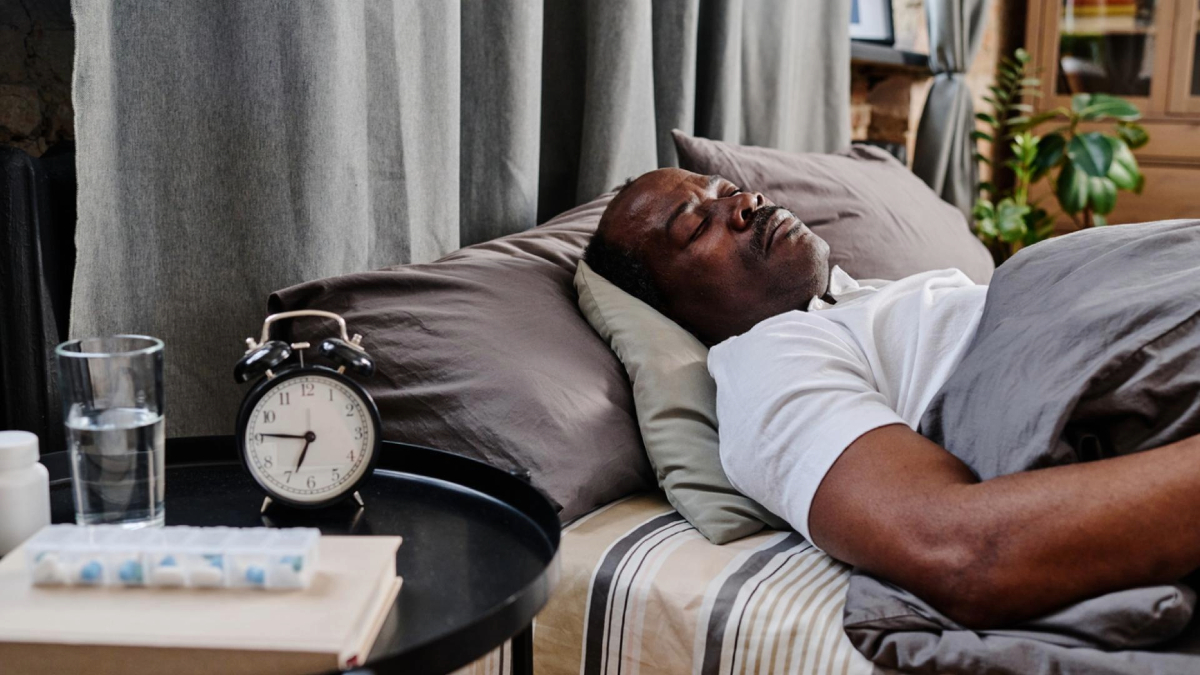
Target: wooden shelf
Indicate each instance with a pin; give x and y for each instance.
(1103, 25)
(869, 53)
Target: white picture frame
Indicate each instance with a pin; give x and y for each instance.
(871, 21)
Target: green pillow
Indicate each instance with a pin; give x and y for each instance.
(676, 403)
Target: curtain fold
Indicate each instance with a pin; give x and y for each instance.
(227, 149)
(943, 155)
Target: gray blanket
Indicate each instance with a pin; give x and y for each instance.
(1089, 346)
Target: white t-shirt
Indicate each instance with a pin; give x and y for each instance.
(797, 389)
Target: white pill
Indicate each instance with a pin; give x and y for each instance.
(207, 577)
(169, 576)
(48, 572)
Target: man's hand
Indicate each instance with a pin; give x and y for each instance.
(1016, 547)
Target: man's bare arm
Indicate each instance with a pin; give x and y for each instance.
(1000, 551)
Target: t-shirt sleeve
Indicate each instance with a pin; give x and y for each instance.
(792, 395)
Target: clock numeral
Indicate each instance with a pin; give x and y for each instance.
(312, 482)
(268, 417)
(358, 433)
(268, 461)
(336, 476)
(350, 456)
(331, 394)
(349, 410)
(258, 439)
(285, 398)
(308, 389)
(287, 476)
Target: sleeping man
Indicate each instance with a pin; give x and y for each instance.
(822, 382)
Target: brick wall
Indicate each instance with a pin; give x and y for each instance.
(37, 50)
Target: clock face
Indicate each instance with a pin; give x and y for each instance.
(309, 438)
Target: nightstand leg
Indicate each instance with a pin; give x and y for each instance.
(522, 652)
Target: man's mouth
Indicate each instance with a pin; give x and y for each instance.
(767, 223)
(782, 223)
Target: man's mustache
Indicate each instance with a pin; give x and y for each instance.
(758, 227)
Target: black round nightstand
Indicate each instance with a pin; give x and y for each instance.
(479, 558)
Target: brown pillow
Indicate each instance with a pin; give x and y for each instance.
(484, 353)
(879, 219)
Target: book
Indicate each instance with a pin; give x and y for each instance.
(331, 625)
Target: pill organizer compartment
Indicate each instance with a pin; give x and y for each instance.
(203, 557)
(166, 563)
(292, 558)
(248, 559)
(49, 557)
(122, 554)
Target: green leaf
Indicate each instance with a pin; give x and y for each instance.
(1099, 220)
(1025, 147)
(984, 117)
(1102, 194)
(1031, 82)
(989, 99)
(1031, 121)
(1071, 188)
(985, 186)
(1010, 220)
(1104, 105)
(1092, 153)
(977, 135)
(1134, 135)
(1023, 107)
(1049, 154)
(1021, 55)
(1040, 225)
(984, 214)
(1124, 171)
(1080, 101)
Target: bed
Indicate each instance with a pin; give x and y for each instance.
(642, 591)
(486, 353)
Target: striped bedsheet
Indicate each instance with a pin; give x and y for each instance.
(643, 593)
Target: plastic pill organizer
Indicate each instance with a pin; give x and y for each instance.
(191, 557)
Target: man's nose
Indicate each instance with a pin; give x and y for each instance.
(743, 207)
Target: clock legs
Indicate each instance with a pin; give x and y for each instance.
(267, 503)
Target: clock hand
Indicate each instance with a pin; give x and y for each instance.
(284, 435)
(308, 439)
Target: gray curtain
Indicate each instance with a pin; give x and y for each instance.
(228, 148)
(944, 152)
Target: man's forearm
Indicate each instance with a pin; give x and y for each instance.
(1057, 535)
(1019, 546)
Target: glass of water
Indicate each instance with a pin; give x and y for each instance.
(112, 391)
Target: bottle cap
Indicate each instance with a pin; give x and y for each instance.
(18, 449)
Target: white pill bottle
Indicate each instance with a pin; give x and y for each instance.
(24, 489)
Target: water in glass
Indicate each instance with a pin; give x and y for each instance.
(117, 458)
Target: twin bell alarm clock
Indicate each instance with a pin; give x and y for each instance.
(307, 432)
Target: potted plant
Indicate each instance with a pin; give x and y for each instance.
(1087, 169)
